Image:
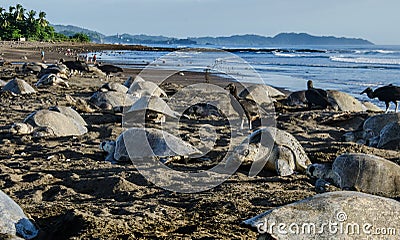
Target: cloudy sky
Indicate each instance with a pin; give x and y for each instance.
(374, 20)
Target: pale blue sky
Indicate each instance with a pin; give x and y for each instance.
(374, 20)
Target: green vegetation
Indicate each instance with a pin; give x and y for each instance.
(18, 23)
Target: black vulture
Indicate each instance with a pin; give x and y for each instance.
(243, 106)
(108, 68)
(316, 96)
(387, 94)
(75, 65)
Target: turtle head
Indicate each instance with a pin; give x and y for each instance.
(231, 88)
(317, 170)
(21, 129)
(108, 146)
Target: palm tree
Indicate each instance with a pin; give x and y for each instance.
(19, 13)
(42, 19)
(31, 16)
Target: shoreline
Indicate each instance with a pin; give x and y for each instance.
(68, 189)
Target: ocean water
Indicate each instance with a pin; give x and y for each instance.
(347, 69)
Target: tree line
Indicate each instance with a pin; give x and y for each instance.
(17, 22)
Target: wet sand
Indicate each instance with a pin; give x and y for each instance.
(67, 188)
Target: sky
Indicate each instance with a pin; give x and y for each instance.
(374, 20)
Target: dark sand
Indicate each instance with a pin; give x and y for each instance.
(65, 186)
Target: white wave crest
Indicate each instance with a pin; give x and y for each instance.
(366, 60)
(291, 55)
(374, 51)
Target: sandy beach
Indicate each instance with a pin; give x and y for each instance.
(64, 185)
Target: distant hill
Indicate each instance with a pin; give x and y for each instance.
(146, 39)
(280, 39)
(235, 40)
(70, 30)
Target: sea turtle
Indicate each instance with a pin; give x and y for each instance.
(33, 67)
(344, 102)
(18, 86)
(60, 70)
(139, 143)
(377, 122)
(51, 79)
(111, 100)
(130, 80)
(333, 215)
(13, 221)
(2, 83)
(370, 107)
(142, 88)
(112, 86)
(69, 112)
(389, 137)
(260, 92)
(297, 98)
(49, 123)
(285, 157)
(371, 129)
(156, 110)
(205, 96)
(360, 172)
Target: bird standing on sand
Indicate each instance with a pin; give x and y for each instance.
(75, 65)
(108, 68)
(387, 94)
(243, 106)
(316, 96)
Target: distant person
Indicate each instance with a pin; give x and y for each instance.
(87, 58)
(94, 58)
(42, 55)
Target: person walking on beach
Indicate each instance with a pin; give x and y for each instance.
(42, 55)
(94, 58)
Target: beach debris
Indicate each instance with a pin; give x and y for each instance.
(244, 106)
(139, 143)
(112, 86)
(360, 172)
(355, 213)
(51, 79)
(341, 101)
(13, 221)
(45, 123)
(151, 108)
(108, 69)
(387, 94)
(370, 132)
(316, 96)
(259, 91)
(18, 86)
(111, 100)
(142, 88)
(276, 149)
